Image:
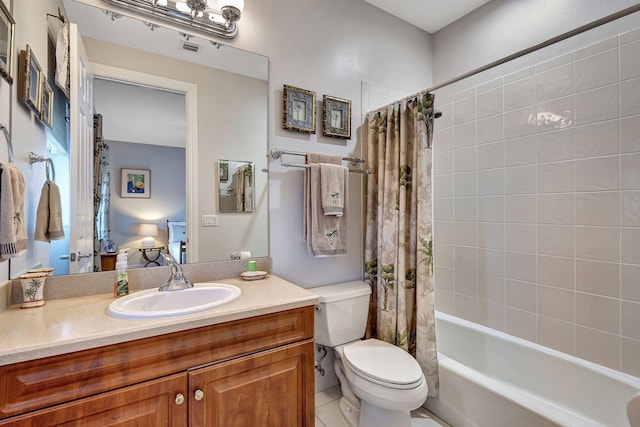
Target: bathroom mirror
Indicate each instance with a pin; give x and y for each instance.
(235, 186)
(232, 91)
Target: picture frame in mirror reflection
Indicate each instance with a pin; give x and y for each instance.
(336, 117)
(299, 109)
(236, 192)
(7, 29)
(135, 183)
(30, 80)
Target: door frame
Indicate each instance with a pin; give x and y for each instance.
(190, 91)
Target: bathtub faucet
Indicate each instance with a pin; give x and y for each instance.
(176, 280)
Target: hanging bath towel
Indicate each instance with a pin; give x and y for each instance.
(49, 216)
(62, 57)
(13, 232)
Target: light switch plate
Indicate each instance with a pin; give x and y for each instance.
(209, 220)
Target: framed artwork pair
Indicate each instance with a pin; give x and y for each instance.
(299, 113)
(33, 88)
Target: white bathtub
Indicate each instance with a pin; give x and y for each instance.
(491, 379)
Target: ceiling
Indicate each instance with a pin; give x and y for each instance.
(430, 15)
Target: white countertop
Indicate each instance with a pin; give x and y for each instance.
(73, 324)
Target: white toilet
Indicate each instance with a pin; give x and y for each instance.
(380, 382)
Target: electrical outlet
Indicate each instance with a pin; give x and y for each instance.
(209, 220)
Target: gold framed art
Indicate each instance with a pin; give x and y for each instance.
(46, 104)
(7, 28)
(336, 117)
(30, 80)
(299, 109)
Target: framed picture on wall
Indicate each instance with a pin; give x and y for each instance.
(299, 109)
(46, 105)
(30, 80)
(135, 183)
(7, 28)
(336, 117)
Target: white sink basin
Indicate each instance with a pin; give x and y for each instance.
(152, 303)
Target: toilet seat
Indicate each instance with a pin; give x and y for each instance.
(391, 367)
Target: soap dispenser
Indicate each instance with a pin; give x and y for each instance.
(121, 286)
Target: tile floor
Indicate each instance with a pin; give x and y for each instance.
(328, 414)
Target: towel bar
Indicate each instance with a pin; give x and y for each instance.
(4, 130)
(277, 153)
(35, 158)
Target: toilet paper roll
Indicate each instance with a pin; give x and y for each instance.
(245, 254)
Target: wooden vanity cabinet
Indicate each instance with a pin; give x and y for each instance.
(250, 372)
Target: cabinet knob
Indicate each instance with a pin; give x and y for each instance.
(179, 399)
(199, 395)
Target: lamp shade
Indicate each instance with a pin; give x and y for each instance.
(148, 231)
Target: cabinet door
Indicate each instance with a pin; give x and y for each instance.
(153, 403)
(271, 388)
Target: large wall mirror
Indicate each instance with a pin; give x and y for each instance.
(144, 126)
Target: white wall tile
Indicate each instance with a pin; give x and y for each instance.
(446, 120)
(556, 177)
(491, 315)
(630, 97)
(464, 159)
(465, 283)
(598, 347)
(556, 240)
(520, 295)
(491, 182)
(520, 151)
(491, 235)
(630, 356)
(465, 233)
(630, 320)
(595, 48)
(600, 278)
(630, 164)
(466, 93)
(556, 303)
(442, 139)
(556, 62)
(630, 60)
(465, 208)
(443, 186)
(556, 271)
(597, 174)
(443, 255)
(491, 156)
(443, 279)
(555, 146)
(443, 163)
(464, 184)
(465, 258)
(557, 334)
(556, 208)
(630, 245)
(520, 237)
(520, 209)
(445, 301)
(519, 94)
(443, 231)
(555, 114)
(491, 262)
(466, 307)
(519, 266)
(443, 209)
(554, 83)
(601, 208)
(464, 110)
(519, 75)
(520, 180)
(630, 282)
(521, 122)
(598, 243)
(597, 139)
(491, 209)
(597, 105)
(490, 102)
(520, 323)
(489, 129)
(629, 36)
(630, 208)
(464, 135)
(491, 288)
(598, 312)
(596, 70)
(630, 134)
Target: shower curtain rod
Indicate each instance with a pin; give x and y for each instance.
(574, 32)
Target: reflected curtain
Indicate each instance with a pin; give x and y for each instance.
(101, 183)
(398, 237)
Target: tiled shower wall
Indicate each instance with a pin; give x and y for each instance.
(537, 203)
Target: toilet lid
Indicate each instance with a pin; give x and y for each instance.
(383, 363)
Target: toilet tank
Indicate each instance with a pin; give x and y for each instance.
(341, 316)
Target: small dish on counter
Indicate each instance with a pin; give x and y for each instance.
(253, 275)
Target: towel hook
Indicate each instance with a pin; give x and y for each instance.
(4, 130)
(35, 158)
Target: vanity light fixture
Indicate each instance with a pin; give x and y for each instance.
(194, 14)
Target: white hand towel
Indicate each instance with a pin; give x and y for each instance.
(13, 232)
(333, 183)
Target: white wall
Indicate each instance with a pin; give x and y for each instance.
(502, 27)
(329, 47)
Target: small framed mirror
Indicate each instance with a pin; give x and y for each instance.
(7, 25)
(236, 186)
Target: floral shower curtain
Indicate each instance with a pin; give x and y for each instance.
(398, 238)
(101, 183)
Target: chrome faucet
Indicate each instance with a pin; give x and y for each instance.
(176, 280)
